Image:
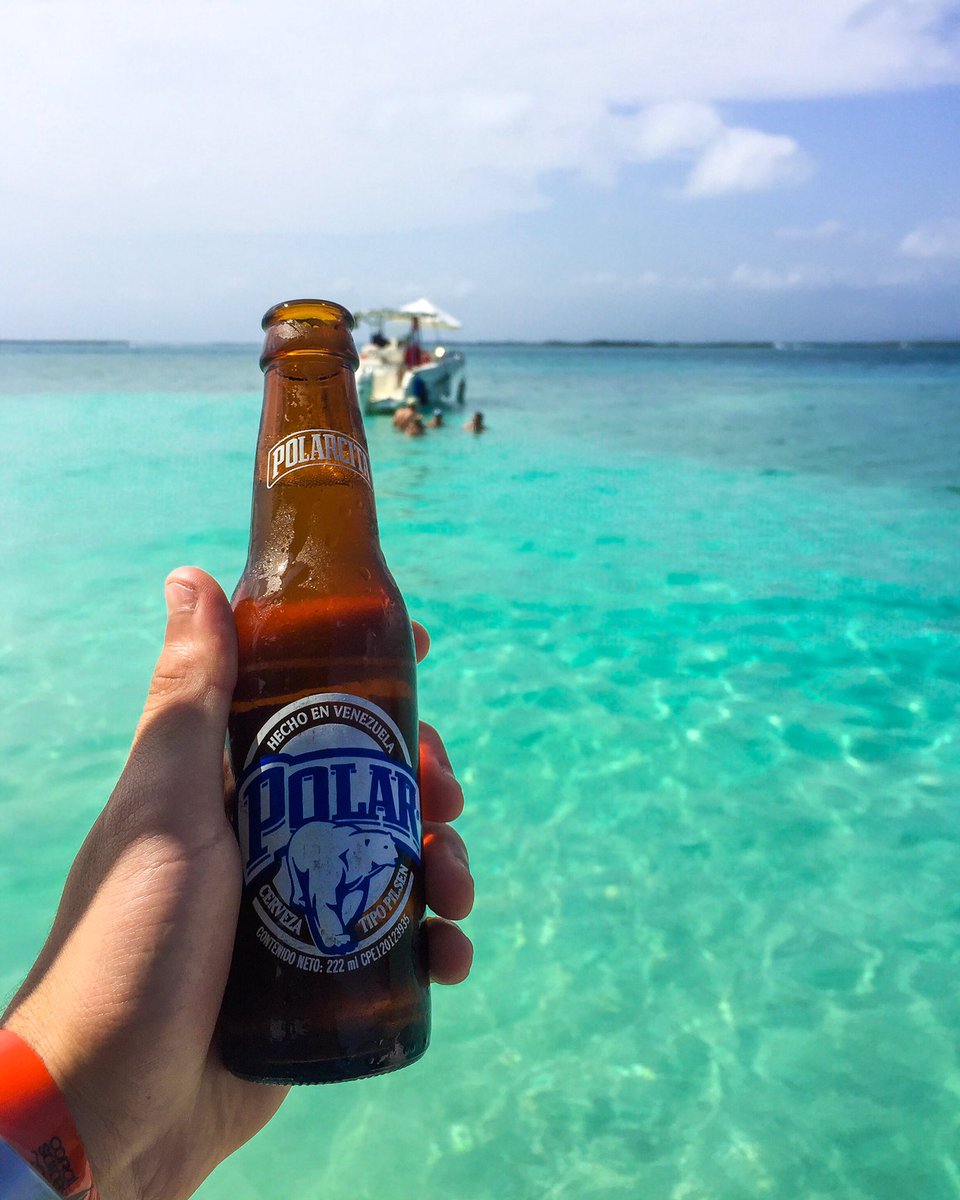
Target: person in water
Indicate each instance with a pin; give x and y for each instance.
(403, 416)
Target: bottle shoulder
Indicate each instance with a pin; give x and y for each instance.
(319, 573)
(304, 614)
(289, 648)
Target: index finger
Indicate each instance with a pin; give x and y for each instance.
(441, 794)
(421, 640)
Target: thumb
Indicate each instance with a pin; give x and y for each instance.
(184, 722)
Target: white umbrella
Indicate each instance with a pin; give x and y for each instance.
(429, 314)
(426, 313)
(443, 320)
(420, 308)
(376, 316)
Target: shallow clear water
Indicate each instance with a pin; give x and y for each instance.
(696, 631)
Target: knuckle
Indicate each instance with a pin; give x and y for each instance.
(179, 678)
(171, 674)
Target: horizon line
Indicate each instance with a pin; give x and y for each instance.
(585, 343)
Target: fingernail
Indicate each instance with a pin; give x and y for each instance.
(181, 596)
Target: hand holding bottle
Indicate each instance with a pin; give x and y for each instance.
(122, 1003)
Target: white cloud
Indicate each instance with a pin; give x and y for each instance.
(791, 279)
(806, 277)
(126, 116)
(747, 160)
(766, 279)
(610, 280)
(674, 129)
(723, 158)
(937, 239)
(822, 232)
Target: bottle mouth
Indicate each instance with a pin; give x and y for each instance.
(323, 311)
(308, 327)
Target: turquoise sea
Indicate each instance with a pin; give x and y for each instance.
(696, 654)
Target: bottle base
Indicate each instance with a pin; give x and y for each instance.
(338, 1070)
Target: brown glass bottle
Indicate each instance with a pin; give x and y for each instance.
(329, 978)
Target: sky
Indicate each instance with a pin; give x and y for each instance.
(640, 169)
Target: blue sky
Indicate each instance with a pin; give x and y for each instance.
(643, 169)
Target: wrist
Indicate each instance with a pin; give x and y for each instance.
(36, 1122)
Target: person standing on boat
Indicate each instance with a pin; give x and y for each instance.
(413, 351)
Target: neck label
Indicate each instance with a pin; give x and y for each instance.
(316, 447)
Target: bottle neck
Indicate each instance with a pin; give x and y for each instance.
(313, 505)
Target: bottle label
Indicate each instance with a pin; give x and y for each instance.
(316, 447)
(328, 821)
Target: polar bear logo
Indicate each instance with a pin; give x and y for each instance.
(332, 871)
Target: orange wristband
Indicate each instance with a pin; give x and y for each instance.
(35, 1121)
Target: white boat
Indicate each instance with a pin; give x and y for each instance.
(407, 368)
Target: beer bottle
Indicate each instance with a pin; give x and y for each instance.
(328, 979)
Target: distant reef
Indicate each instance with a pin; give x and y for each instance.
(66, 343)
(637, 344)
(618, 344)
(612, 344)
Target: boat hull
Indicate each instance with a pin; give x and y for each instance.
(438, 383)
